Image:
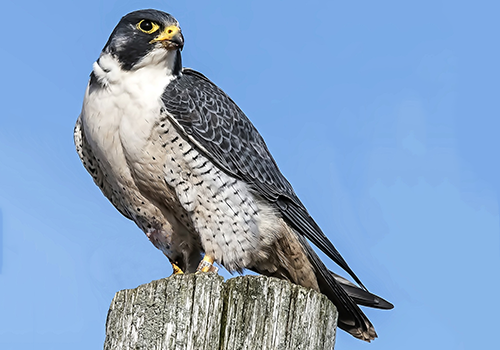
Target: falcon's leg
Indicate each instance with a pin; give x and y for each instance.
(207, 265)
(177, 269)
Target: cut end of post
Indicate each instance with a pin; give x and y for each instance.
(201, 311)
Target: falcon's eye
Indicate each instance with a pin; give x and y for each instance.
(147, 26)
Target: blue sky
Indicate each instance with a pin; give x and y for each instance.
(383, 115)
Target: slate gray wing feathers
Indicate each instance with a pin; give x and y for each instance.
(212, 120)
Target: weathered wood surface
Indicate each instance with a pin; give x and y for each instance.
(201, 312)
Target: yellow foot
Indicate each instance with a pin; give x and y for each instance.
(207, 265)
(177, 270)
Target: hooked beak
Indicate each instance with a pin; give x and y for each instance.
(171, 38)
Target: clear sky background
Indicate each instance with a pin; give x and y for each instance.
(384, 116)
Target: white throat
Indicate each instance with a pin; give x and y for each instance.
(154, 68)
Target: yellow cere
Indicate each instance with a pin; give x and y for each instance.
(152, 30)
(167, 34)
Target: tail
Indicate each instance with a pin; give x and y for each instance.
(345, 295)
(361, 296)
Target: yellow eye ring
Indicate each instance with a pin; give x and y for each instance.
(147, 26)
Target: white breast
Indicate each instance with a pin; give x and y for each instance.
(118, 116)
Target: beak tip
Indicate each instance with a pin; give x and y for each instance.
(178, 40)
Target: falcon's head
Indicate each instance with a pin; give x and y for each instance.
(146, 37)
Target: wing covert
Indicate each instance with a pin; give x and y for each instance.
(218, 125)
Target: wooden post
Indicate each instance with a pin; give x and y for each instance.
(201, 312)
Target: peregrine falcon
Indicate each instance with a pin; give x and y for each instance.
(175, 154)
